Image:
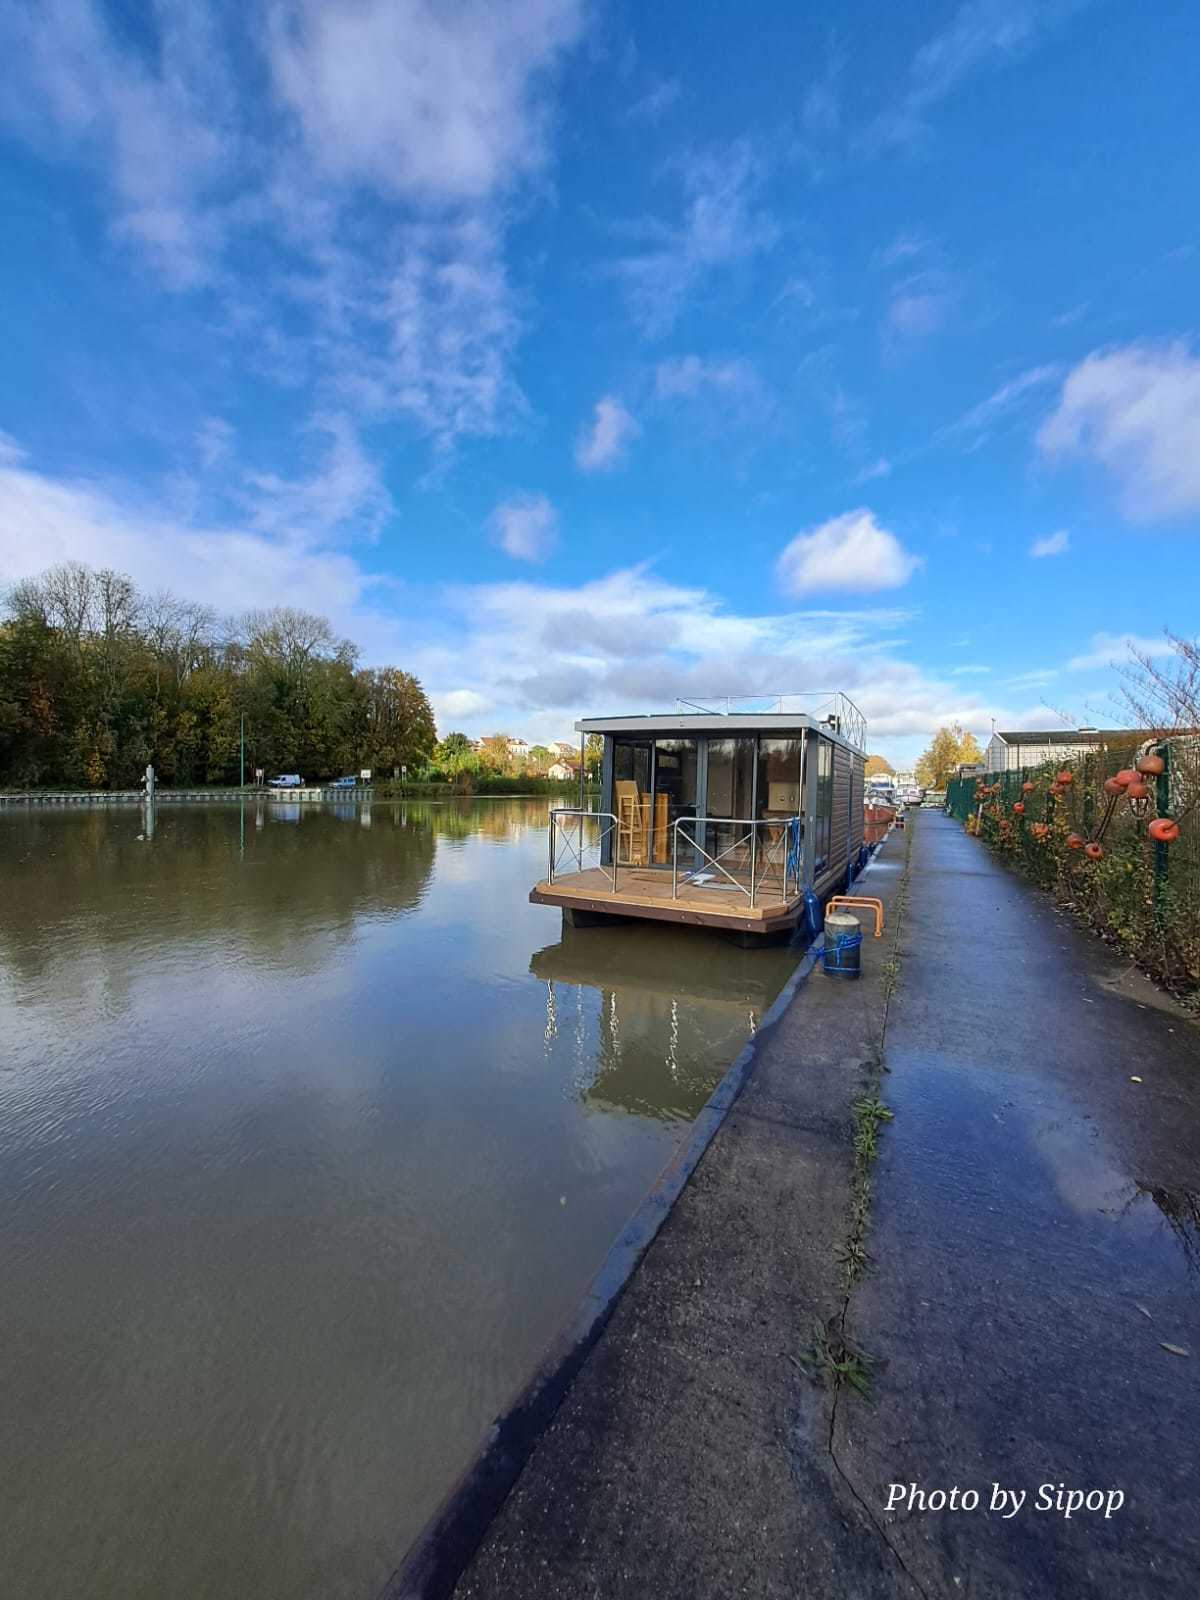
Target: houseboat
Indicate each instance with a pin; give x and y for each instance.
(734, 814)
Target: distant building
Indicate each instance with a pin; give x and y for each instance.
(1006, 752)
(519, 748)
(564, 748)
(561, 771)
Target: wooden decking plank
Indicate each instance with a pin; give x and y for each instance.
(642, 892)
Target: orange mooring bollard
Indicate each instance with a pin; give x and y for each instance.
(859, 900)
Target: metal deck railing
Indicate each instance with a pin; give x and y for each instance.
(766, 852)
(769, 848)
(561, 840)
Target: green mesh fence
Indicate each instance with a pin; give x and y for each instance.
(1144, 897)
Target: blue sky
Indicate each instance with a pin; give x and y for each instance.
(579, 355)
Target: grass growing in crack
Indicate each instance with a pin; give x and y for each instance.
(869, 1113)
(833, 1357)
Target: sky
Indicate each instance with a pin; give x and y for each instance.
(580, 355)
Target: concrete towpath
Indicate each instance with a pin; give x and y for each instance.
(1031, 1304)
(1035, 1250)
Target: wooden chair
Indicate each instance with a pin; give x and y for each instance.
(633, 823)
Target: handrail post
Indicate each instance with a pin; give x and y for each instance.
(550, 869)
(753, 859)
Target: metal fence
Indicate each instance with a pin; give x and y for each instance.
(1142, 894)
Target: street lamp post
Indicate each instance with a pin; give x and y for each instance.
(243, 748)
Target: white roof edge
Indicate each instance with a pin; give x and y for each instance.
(714, 722)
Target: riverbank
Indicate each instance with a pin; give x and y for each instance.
(780, 1390)
(499, 789)
(671, 1464)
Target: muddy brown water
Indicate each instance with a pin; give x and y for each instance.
(312, 1131)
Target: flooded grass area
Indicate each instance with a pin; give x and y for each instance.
(312, 1130)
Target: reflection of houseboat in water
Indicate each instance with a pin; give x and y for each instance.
(669, 1020)
(729, 816)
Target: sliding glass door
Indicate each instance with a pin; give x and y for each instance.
(730, 795)
(675, 766)
(631, 800)
(779, 799)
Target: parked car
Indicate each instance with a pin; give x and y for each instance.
(343, 783)
(286, 780)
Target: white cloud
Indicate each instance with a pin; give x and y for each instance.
(851, 552)
(522, 655)
(918, 307)
(977, 424)
(603, 443)
(369, 169)
(451, 329)
(460, 703)
(1116, 649)
(655, 103)
(162, 136)
(423, 99)
(923, 299)
(46, 520)
(631, 641)
(687, 376)
(731, 389)
(1136, 412)
(1037, 675)
(214, 438)
(722, 224)
(345, 491)
(980, 33)
(968, 672)
(525, 527)
(1054, 544)
(880, 468)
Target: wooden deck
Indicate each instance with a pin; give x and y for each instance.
(646, 892)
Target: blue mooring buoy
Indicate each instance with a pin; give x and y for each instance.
(842, 955)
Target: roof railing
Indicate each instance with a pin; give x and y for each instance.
(829, 706)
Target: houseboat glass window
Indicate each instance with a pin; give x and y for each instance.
(778, 798)
(674, 793)
(631, 762)
(823, 822)
(631, 800)
(730, 792)
(779, 793)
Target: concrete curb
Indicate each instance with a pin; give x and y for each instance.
(441, 1552)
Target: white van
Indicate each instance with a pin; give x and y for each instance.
(287, 780)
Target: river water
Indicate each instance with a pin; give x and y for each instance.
(312, 1131)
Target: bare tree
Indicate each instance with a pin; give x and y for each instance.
(284, 636)
(1164, 694)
